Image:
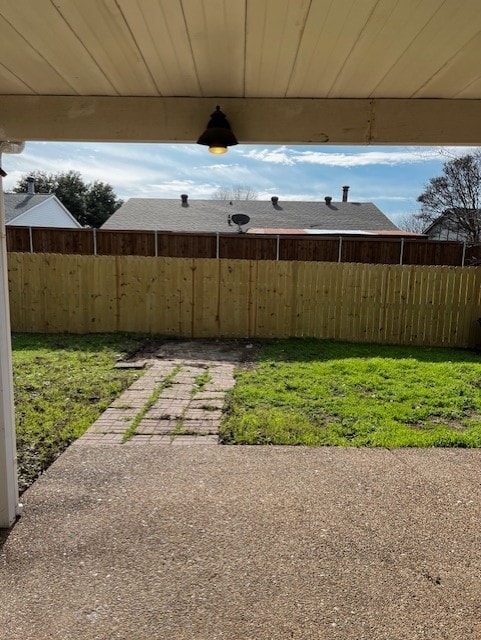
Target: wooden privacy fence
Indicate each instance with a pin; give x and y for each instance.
(365, 249)
(243, 298)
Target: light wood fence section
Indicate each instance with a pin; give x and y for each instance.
(202, 297)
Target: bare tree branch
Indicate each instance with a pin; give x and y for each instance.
(454, 198)
(236, 192)
(411, 222)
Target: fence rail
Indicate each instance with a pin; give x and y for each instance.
(246, 298)
(370, 250)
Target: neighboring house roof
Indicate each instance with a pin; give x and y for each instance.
(19, 205)
(447, 224)
(439, 221)
(213, 215)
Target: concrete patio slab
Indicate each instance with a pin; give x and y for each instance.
(266, 543)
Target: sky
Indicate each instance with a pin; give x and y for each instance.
(391, 177)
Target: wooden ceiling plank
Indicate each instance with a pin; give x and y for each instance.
(470, 92)
(390, 31)
(10, 84)
(101, 27)
(330, 31)
(237, 48)
(36, 24)
(462, 71)
(24, 63)
(449, 30)
(217, 36)
(274, 31)
(160, 33)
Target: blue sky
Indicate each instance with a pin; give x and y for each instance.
(391, 177)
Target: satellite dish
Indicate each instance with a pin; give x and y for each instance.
(239, 219)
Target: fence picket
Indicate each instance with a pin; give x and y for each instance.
(434, 305)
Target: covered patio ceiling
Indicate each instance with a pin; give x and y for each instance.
(294, 71)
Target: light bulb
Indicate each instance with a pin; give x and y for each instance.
(218, 150)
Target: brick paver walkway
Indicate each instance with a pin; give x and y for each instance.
(178, 400)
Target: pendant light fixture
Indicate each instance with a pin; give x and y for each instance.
(218, 134)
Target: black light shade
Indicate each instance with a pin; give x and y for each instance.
(218, 135)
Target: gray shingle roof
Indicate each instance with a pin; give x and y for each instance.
(212, 215)
(18, 203)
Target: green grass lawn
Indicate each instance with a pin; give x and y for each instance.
(313, 392)
(62, 383)
(299, 392)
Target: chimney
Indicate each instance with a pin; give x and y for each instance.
(344, 193)
(328, 200)
(184, 197)
(31, 185)
(274, 200)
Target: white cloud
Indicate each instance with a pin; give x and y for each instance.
(266, 195)
(402, 155)
(359, 159)
(216, 167)
(275, 156)
(120, 174)
(372, 198)
(174, 188)
(290, 157)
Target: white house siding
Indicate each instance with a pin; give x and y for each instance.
(437, 231)
(46, 214)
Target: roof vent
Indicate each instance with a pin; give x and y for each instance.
(328, 200)
(31, 185)
(184, 197)
(344, 193)
(274, 200)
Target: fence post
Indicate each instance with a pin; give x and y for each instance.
(278, 246)
(30, 235)
(156, 244)
(401, 256)
(217, 246)
(464, 253)
(339, 256)
(95, 240)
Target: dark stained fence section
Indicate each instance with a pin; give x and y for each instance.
(432, 252)
(186, 245)
(125, 243)
(307, 248)
(18, 239)
(245, 247)
(47, 240)
(371, 251)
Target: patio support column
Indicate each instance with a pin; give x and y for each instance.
(8, 455)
